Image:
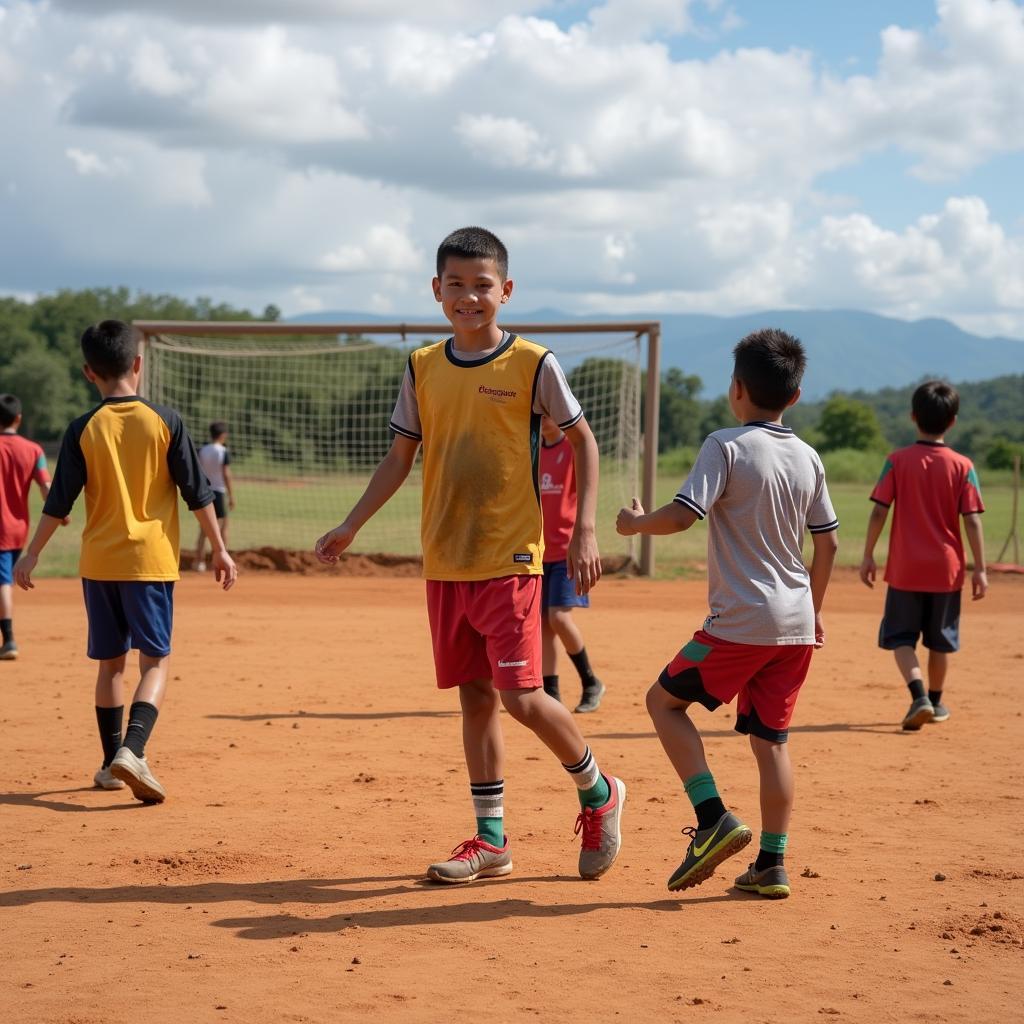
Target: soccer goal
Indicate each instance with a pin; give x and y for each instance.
(308, 405)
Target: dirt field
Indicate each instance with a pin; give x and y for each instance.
(313, 771)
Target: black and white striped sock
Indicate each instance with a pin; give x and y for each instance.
(585, 772)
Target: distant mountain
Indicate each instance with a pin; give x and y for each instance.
(846, 349)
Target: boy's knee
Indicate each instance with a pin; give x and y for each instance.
(557, 617)
(659, 699)
(519, 704)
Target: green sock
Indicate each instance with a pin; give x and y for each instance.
(597, 795)
(774, 842)
(491, 830)
(700, 787)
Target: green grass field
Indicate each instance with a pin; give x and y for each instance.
(292, 514)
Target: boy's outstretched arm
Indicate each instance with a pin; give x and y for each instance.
(386, 479)
(976, 540)
(825, 547)
(671, 518)
(45, 529)
(876, 521)
(583, 558)
(224, 569)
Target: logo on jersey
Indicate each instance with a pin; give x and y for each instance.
(524, 557)
(499, 395)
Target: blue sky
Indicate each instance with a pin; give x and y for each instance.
(641, 156)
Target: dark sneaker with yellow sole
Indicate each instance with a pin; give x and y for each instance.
(707, 849)
(920, 713)
(771, 882)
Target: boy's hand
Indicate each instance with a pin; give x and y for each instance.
(979, 584)
(868, 570)
(625, 522)
(583, 562)
(231, 503)
(23, 571)
(224, 569)
(819, 632)
(331, 544)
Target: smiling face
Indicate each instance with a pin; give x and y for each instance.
(471, 292)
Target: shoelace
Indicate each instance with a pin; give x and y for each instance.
(691, 833)
(590, 825)
(466, 850)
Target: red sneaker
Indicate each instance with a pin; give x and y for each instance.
(602, 831)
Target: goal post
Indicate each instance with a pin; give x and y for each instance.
(307, 405)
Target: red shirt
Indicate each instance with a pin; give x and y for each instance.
(21, 462)
(932, 486)
(557, 497)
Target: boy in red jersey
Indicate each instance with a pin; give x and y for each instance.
(474, 401)
(559, 597)
(932, 487)
(21, 462)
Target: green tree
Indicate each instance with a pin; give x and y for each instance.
(1001, 453)
(40, 380)
(679, 412)
(849, 423)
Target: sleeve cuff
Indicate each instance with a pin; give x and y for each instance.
(572, 422)
(691, 505)
(824, 527)
(878, 501)
(405, 433)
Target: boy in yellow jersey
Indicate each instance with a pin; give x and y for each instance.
(131, 458)
(475, 403)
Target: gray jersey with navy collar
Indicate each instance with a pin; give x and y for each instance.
(760, 488)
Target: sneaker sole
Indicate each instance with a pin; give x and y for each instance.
(498, 872)
(735, 841)
(621, 788)
(9, 656)
(117, 784)
(936, 719)
(773, 892)
(586, 709)
(923, 717)
(141, 789)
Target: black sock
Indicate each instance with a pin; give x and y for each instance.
(582, 663)
(7, 628)
(916, 688)
(109, 721)
(551, 685)
(141, 720)
(935, 696)
(767, 860)
(708, 812)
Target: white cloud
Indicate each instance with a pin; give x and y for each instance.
(152, 71)
(384, 249)
(86, 163)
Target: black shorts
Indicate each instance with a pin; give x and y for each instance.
(220, 504)
(912, 613)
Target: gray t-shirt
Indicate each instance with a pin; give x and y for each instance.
(761, 487)
(553, 397)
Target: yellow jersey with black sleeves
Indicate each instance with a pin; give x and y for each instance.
(131, 458)
(481, 514)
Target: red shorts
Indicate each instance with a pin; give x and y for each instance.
(486, 629)
(767, 681)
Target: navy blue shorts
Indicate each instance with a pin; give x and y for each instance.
(220, 504)
(128, 614)
(7, 560)
(912, 613)
(559, 591)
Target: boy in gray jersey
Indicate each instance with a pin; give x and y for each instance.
(760, 488)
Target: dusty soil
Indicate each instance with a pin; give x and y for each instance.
(313, 771)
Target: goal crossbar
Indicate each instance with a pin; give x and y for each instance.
(649, 329)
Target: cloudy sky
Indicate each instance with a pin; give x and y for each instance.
(637, 156)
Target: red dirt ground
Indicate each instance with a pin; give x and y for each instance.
(313, 771)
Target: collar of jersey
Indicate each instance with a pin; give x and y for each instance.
(931, 444)
(775, 428)
(119, 398)
(449, 351)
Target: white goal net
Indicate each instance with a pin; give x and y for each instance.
(308, 417)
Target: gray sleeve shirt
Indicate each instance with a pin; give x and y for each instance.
(761, 488)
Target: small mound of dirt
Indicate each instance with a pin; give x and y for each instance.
(195, 864)
(305, 563)
(996, 926)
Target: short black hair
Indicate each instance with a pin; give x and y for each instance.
(473, 244)
(935, 405)
(110, 348)
(10, 410)
(217, 429)
(770, 363)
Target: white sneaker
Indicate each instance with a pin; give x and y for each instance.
(200, 567)
(135, 771)
(104, 780)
